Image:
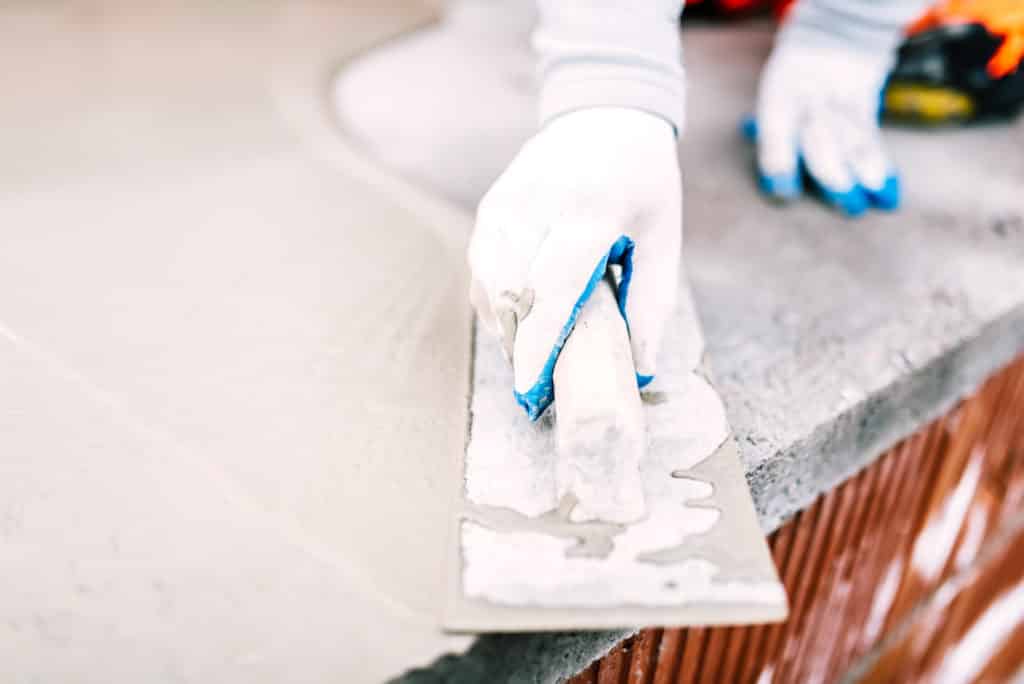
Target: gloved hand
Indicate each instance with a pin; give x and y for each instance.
(593, 187)
(817, 111)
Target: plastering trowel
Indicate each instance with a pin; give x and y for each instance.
(617, 508)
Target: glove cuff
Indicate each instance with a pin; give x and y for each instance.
(583, 86)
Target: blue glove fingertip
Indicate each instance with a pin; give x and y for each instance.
(888, 197)
(748, 128)
(784, 186)
(643, 380)
(538, 398)
(852, 202)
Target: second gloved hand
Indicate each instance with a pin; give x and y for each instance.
(817, 114)
(594, 186)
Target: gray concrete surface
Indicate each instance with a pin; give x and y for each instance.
(831, 339)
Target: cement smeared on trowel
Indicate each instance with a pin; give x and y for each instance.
(697, 556)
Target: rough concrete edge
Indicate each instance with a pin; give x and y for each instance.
(538, 658)
(834, 452)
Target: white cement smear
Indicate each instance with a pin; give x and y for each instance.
(935, 543)
(984, 639)
(584, 582)
(511, 464)
(885, 594)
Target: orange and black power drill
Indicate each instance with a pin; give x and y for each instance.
(962, 61)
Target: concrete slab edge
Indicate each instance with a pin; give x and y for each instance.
(791, 480)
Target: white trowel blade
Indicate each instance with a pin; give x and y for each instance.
(519, 559)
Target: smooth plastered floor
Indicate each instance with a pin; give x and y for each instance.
(232, 366)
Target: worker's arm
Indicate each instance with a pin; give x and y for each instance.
(599, 182)
(819, 99)
(596, 53)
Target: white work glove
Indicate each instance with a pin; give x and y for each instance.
(817, 112)
(594, 186)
